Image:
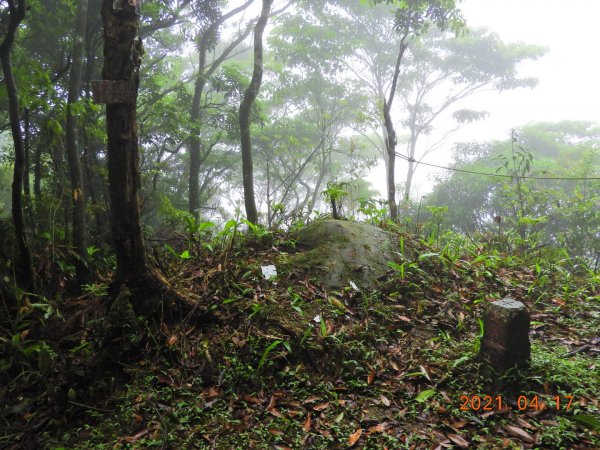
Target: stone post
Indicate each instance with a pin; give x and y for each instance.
(505, 343)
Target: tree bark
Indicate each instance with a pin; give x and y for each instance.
(16, 15)
(390, 135)
(73, 153)
(122, 58)
(194, 193)
(204, 73)
(245, 108)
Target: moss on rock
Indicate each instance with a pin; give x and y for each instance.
(338, 251)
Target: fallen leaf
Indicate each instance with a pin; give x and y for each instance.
(272, 403)
(520, 433)
(172, 340)
(276, 413)
(136, 437)
(385, 400)
(379, 428)
(276, 432)
(371, 377)
(321, 407)
(354, 437)
(425, 372)
(166, 379)
(524, 423)
(458, 425)
(307, 424)
(459, 440)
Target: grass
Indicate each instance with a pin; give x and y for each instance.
(387, 367)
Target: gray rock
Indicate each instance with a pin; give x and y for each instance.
(339, 251)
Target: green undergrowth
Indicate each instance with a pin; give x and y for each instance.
(289, 363)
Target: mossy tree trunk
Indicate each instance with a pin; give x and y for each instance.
(73, 153)
(122, 58)
(16, 14)
(245, 109)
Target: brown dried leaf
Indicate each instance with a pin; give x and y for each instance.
(272, 403)
(172, 340)
(459, 440)
(385, 400)
(520, 433)
(379, 428)
(307, 424)
(136, 437)
(321, 407)
(165, 379)
(354, 437)
(524, 423)
(371, 377)
(276, 413)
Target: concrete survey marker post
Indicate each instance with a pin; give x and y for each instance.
(505, 343)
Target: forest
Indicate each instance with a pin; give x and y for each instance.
(230, 224)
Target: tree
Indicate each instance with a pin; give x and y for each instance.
(207, 39)
(412, 19)
(245, 108)
(122, 58)
(16, 14)
(563, 213)
(441, 71)
(73, 152)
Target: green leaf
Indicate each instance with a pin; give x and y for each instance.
(266, 353)
(587, 420)
(323, 327)
(425, 395)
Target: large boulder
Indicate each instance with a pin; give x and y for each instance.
(336, 252)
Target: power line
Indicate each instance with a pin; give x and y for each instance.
(499, 175)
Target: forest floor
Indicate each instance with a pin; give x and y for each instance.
(287, 363)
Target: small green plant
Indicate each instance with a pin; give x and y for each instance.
(96, 289)
(334, 194)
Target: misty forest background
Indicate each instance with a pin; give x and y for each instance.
(251, 120)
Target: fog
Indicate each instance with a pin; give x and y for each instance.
(567, 74)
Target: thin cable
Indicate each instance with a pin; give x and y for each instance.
(499, 175)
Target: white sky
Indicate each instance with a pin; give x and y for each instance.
(569, 73)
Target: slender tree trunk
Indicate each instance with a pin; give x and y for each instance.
(204, 73)
(27, 204)
(245, 109)
(27, 164)
(194, 194)
(37, 175)
(390, 135)
(122, 58)
(17, 14)
(73, 153)
(411, 168)
(390, 147)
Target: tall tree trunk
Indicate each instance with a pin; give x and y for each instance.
(194, 194)
(122, 58)
(245, 108)
(390, 135)
(73, 153)
(204, 73)
(410, 172)
(16, 15)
